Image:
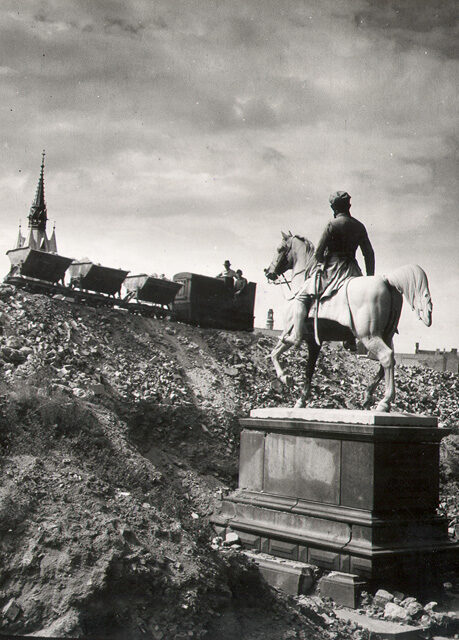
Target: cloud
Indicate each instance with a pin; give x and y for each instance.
(433, 25)
(229, 121)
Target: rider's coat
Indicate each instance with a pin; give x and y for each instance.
(336, 250)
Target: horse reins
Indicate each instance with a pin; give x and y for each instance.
(287, 282)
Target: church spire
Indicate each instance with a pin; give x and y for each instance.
(21, 240)
(52, 242)
(37, 215)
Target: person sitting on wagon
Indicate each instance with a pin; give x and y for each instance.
(240, 284)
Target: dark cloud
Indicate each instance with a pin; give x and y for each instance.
(411, 15)
(112, 25)
(273, 156)
(244, 32)
(432, 24)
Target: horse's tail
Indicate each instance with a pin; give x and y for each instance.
(412, 282)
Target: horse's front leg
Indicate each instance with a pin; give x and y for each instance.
(313, 354)
(280, 348)
(291, 336)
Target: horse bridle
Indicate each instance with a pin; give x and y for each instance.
(282, 259)
(283, 256)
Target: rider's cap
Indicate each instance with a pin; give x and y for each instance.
(339, 196)
(227, 262)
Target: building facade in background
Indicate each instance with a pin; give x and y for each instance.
(438, 360)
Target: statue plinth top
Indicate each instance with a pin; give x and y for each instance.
(346, 416)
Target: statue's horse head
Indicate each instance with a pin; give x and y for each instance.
(292, 249)
(282, 260)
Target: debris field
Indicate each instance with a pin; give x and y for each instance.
(118, 436)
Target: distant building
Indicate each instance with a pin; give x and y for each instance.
(270, 319)
(37, 237)
(35, 255)
(438, 360)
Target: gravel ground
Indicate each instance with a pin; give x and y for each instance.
(118, 435)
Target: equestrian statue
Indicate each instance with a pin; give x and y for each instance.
(335, 302)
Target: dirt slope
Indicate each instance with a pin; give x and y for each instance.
(118, 435)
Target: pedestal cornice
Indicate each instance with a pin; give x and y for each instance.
(350, 425)
(345, 416)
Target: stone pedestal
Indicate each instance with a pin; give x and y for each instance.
(350, 491)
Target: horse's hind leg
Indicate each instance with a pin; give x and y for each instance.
(313, 353)
(385, 355)
(368, 397)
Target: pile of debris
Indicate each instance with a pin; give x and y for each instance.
(118, 435)
(397, 607)
(87, 352)
(81, 350)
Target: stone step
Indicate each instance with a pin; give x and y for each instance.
(293, 577)
(343, 588)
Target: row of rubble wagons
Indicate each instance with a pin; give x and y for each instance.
(189, 297)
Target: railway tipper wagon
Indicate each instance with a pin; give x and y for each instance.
(211, 302)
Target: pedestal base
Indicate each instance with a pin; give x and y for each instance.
(348, 491)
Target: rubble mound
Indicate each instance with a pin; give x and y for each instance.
(118, 436)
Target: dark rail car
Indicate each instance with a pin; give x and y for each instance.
(211, 302)
(150, 289)
(93, 277)
(145, 291)
(41, 265)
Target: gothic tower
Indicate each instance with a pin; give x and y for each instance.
(38, 217)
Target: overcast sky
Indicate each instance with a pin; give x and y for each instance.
(182, 133)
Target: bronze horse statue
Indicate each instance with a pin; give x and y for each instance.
(366, 307)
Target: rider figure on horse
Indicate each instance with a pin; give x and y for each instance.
(336, 263)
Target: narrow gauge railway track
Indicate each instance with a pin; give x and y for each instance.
(90, 298)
